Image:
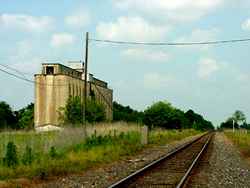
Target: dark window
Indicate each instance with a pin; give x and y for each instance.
(49, 70)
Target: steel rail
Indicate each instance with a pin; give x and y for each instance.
(195, 161)
(154, 163)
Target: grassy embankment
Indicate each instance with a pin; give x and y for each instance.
(59, 153)
(241, 139)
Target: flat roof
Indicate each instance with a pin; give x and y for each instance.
(71, 69)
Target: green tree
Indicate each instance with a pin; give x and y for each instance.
(26, 117)
(160, 114)
(7, 116)
(197, 121)
(73, 111)
(245, 125)
(228, 124)
(239, 117)
(126, 113)
(95, 111)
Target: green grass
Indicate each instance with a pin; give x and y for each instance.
(69, 151)
(241, 139)
(94, 150)
(163, 137)
(42, 142)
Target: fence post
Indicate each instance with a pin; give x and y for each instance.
(144, 135)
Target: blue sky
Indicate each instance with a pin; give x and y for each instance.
(212, 80)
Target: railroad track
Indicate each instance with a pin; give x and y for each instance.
(172, 170)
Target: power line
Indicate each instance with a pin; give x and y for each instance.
(34, 82)
(16, 76)
(17, 71)
(172, 43)
(28, 80)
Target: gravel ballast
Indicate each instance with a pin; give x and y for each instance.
(225, 168)
(228, 168)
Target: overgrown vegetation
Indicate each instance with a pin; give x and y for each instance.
(72, 112)
(10, 159)
(40, 155)
(163, 137)
(241, 139)
(56, 160)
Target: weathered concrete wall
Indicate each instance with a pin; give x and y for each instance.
(52, 92)
(105, 96)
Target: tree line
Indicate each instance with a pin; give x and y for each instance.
(160, 114)
(237, 120)
(20, 119)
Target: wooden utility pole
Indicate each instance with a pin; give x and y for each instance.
(233, 125)
(85, 77)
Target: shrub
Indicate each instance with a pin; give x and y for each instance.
(73, 111)
(28, 157)
(95, 111)
(11, 159)
(105, 140)
(53, 152)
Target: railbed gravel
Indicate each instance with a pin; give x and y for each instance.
(228, 168)
(105, 175)
(222, 166)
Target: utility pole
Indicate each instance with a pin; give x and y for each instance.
(233, 125)
(85, 79)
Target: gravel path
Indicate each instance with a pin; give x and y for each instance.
(225, 167)
(110, 173)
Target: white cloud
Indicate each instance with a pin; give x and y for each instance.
(62, 39)
(206, 67)
(25, 59)
(78, 20)
(200, 35)
(26, 22)
(246, 25)
(242, 77)
(177, 10)
(29, 67)
(132, 29)
(157, 80)
(146, 55)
